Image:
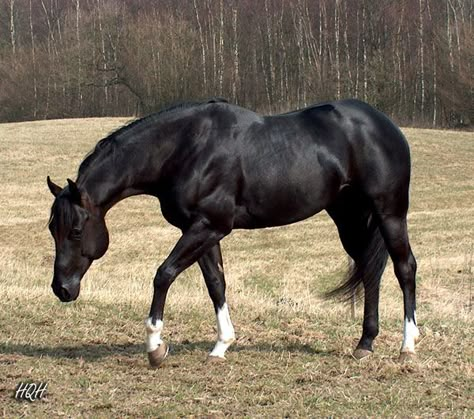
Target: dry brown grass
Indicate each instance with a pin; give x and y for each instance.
(292, 356)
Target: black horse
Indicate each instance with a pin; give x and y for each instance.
(215, 167)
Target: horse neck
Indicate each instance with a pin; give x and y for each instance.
(117, 176)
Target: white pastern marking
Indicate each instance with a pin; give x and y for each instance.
(410, 334)
(153, 334)
(225, 332)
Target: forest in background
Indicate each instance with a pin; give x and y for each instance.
(412, 59)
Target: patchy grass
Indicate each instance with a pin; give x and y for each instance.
(292, 356)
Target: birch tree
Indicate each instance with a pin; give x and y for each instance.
(203, 47)
(236, 76)
(12, 27)
(422, 59)
(336, 34)
(79, 54)
(33, 60)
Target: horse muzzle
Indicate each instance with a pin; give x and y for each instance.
(68, 291)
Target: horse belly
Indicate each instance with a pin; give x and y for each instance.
(282, 197)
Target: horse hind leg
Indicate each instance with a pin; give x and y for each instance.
(370, 266)
(361, 239)
(394, 231)
(213, 272)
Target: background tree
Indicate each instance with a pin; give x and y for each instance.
(74, 58)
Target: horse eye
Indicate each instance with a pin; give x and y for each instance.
(75, 234)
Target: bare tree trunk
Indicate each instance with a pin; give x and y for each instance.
(236, 78)
(321, 44)
(266, 77)
(399, 59)
(364, 48)
(456, 26)
(422, 60)
(449, 36)
(270, 53)
(33, 59)
(155, 57)
(415, 99)
(221, 48)
(104, 57)
(356, 88)
(93, 100)
(212, 35)
(174, 53)
(470, 62)
(50, 58)
(314, 56)
(326, 62)
(283, 65)
(298, 24)
(347, 47)
(203, 47)
(12, 27)
(114, 44)
(79, 57)
(336, 32)
(255, 72)
(435, 93)
(285, 61)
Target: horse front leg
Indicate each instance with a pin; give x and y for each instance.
(212, 269)
(194, 242)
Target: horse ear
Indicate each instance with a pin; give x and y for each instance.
(55, 189)
(74, 191)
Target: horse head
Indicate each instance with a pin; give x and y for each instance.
(80, 236)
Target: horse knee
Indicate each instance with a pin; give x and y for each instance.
(164, 277)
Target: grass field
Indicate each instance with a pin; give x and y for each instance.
(293, 352)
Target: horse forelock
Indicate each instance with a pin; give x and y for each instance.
(63, 216)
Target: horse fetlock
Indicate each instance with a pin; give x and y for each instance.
(411, 334)
(153, 334)
(221, 347)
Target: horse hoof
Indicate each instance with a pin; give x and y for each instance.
(211, 359)
(360, 353)
(158, 356)
(406, 357)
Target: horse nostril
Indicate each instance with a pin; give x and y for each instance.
(65, 294)
(66, 291)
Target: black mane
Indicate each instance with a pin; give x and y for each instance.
(109, 143)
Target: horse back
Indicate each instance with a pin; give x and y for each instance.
(299, 161)
(280, 169)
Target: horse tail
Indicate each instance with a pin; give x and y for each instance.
(367, 269)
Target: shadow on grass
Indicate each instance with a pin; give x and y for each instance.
(94, 352)
(89, 352)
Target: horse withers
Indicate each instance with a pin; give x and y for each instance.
(216, 167)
